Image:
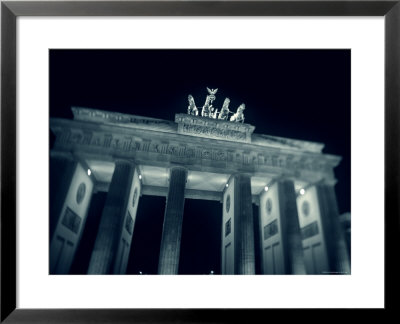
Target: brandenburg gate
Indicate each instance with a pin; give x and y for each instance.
(205, 155)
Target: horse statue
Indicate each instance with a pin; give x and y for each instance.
(208, 108)
(192, 109)
(224, 110)
(214, 113)
(238, 116)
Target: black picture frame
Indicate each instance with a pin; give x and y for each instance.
(10, 10)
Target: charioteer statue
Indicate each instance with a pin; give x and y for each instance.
(209, 111)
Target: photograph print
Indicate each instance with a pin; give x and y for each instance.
(199, 162)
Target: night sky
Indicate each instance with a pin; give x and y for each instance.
(300, 94)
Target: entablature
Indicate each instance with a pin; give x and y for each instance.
(152, 147)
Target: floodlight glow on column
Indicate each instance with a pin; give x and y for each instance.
(140, 177)
(302, 191)
(266, 188)
(227, 185)
(89, 172)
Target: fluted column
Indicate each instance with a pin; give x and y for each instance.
(172, 228)
(111, 223)
(334, 238)
(244, 227)
(290, 229)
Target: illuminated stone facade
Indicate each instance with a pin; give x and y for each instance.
(199, 158)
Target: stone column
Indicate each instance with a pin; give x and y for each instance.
(61, 173)
(70, 196)
(334, 238)
(172, 228)
(244, 228)
(110, 229)
(290, 229)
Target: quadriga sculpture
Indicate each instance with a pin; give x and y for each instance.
(238, 116)
(209, 111)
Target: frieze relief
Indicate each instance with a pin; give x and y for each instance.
(86, 114)
(196, 121)
(212, 128)
(68, 137)
(213, 132)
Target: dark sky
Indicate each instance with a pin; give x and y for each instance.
(300, 94)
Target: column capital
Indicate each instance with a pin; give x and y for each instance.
(62, 155)
(178, 167)
(124, 161)
(327, 182)
(235, 174)
(278, 179)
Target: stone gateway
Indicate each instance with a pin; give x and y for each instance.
(196, 157)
